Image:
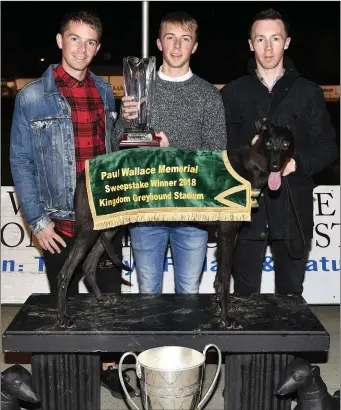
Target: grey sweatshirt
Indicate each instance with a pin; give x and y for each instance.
(190, 113)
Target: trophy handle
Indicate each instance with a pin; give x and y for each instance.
(122, 380)
(209, 391)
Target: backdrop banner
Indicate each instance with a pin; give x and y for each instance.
(23, 270)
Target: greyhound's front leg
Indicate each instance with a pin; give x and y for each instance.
(222, 280)
(64, 277)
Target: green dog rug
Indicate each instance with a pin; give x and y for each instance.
(166, 184)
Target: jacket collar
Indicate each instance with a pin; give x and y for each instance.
(50, 87)
(290, 70)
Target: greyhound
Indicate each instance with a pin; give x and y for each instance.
(16, 385)
(260, 161)
(301, 377)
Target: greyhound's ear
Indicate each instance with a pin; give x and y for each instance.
(289, 128)
(258, 125)
(315, 371)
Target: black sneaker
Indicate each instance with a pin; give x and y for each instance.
(110, 380)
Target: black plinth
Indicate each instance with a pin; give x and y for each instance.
(274, 330)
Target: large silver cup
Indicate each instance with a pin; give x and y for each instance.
(171, 377)
(139, 83)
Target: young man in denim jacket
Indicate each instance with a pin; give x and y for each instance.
(60, 120)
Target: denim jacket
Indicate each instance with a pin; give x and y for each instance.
(42, 149)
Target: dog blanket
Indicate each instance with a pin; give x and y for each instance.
(165, 184)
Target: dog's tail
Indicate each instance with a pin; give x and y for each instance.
(126, 283)
(115, 260)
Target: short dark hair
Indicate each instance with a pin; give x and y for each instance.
(83, 16)
(270, 14)
(181, 18)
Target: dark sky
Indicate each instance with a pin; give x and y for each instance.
(29, 30)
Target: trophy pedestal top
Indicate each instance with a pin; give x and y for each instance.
(139, 322)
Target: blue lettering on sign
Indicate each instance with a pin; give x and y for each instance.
(40, 263)
(5, 263)
(168, 262)
(214, 266)
(323, 264)
(311, 266)
(268, 264)
(131, 266)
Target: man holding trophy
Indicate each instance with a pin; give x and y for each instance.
(186, 112)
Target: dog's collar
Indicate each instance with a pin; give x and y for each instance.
(314, 395)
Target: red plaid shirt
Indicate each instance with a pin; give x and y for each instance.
(87, 114)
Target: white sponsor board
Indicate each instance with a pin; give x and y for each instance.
(22, 266)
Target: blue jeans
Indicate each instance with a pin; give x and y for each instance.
(149, 245)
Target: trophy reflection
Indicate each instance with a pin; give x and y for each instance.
(139, 83)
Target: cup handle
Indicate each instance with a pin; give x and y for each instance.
(122, 380)
(209, 391)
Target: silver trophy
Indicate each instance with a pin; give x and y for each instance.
(139, 83)
(171, 377)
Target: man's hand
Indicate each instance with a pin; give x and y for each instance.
(129, 108)
(163, 139)
(289, 168)
(48, 239)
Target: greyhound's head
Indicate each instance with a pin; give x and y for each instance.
(16, 382)
(276, 146)
(298, 374)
